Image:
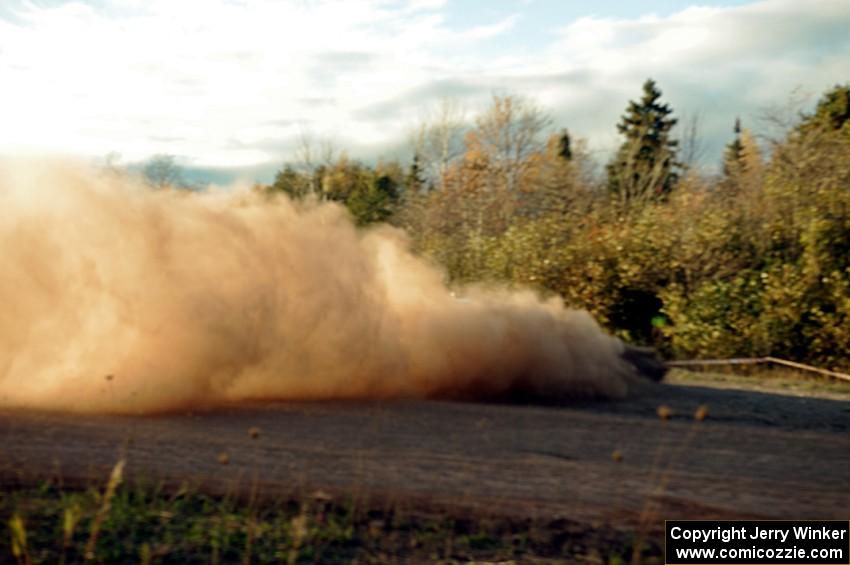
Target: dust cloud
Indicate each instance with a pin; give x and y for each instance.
(119, 298)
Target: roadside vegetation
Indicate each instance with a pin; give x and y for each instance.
(138, 523)
(751, 260)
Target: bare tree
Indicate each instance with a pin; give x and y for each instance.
(438, 140)
(777, 120)
(162, 170)
(312, 158)
(509, 131)
(111, 164)
(691, 147)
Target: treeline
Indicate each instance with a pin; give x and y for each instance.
(751, 261)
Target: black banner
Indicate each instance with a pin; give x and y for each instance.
(757, 542)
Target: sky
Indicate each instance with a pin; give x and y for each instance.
(230, 86)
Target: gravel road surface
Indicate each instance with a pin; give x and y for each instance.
(757, 454)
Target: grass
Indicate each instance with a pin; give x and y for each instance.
(764, 379)
(139, 523)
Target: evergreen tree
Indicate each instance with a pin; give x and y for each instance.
(414, 182)
(832, 113)
(733, 157)
(565, 151)
(645, 166)
(374, 200)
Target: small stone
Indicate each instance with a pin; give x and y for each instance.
(322, 496)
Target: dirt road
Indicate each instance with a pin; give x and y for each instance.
(756, 455)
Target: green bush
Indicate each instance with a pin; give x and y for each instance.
(754, 263)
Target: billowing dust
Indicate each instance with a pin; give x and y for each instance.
(120, 298)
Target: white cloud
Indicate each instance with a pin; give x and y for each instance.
(415, 5)
(716, 62)
(232, 82)
(492, 30)
(200, 72)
